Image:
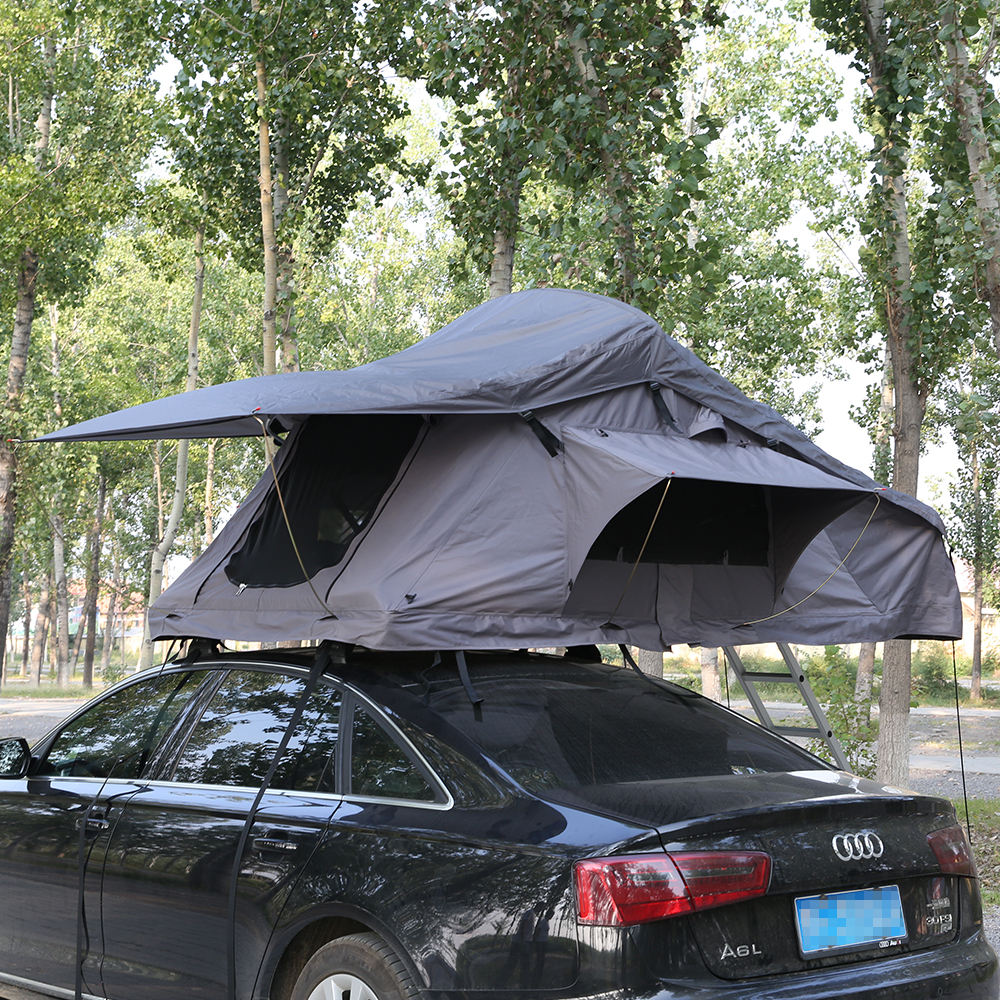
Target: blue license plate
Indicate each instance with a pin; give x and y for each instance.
(847, 921)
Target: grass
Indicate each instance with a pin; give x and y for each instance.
(20, 689)
(985, 817)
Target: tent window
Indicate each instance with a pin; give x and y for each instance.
(701, 523)
(332, 484)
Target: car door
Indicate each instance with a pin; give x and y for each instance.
(169, 924)
(51, 822)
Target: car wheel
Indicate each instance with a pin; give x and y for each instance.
(357, 967)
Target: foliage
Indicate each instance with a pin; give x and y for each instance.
(972, 410)
(576, 106)
(330, 107)
(932, 674)
(103, 126)
(984, 815)
(857, 732)
(832, 673)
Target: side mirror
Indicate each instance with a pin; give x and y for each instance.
(15, 757)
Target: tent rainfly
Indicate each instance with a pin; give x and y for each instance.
(548, 469)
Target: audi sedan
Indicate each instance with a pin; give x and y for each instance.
(338, 824)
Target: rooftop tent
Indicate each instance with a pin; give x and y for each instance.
(549, 469)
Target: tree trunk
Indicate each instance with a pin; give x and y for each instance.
(74, 653)
(882, 459)
(38, 639)
(501, 281)
(866, 678)
(169, 534)
(894, 700)
(285, 258)
(109, 624)
(23, 318)
(61, 646)
(43, 125)
(93, 582)
(976, 691)
(26, 627)
(209, 490)
(651, 662)
(711, 681)
(882, 471)
(502, 267)
(53, 647)
(266, 209)
(617, 181)
(966, 95)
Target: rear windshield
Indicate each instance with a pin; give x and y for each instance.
(609, 727)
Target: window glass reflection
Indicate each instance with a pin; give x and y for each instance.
(379, 767)
(238, 734)
(116, 737)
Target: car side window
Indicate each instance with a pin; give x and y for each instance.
(116, 737)
(380, 768)
(236, 737)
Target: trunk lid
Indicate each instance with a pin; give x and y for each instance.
(842, 845)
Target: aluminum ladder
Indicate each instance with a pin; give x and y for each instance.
(749, 679)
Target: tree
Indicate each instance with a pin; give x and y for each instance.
(906, 273)
(966, 87)
(566, 128)
(973, 413)
(79, 128)
(315, 123)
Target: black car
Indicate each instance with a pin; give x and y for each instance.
(339, 824)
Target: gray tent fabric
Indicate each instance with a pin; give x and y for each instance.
(505, 482)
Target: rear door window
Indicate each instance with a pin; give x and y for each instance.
(235, 739)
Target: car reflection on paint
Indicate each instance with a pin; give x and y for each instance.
(301, 825)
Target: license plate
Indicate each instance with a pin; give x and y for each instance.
(847, 921)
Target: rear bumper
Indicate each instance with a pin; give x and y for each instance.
(968, 969)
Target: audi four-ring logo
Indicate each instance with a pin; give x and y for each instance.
(858, 846)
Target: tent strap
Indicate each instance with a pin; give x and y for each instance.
(630, 659)
(463, 672)
(550, 442)
(660, 403)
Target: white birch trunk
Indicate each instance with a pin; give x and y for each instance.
(61, 646)
(894, 699)
(711, 678)
(209, 491)
(266, 211)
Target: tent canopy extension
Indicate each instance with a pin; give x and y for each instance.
(549, 469)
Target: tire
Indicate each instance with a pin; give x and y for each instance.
(356, 967)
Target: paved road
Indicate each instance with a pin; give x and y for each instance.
(32, 718)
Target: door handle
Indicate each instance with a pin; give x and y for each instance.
(94, 823)
(264, 844)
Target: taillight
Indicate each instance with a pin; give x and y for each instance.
(952, 850)
(640, 887)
